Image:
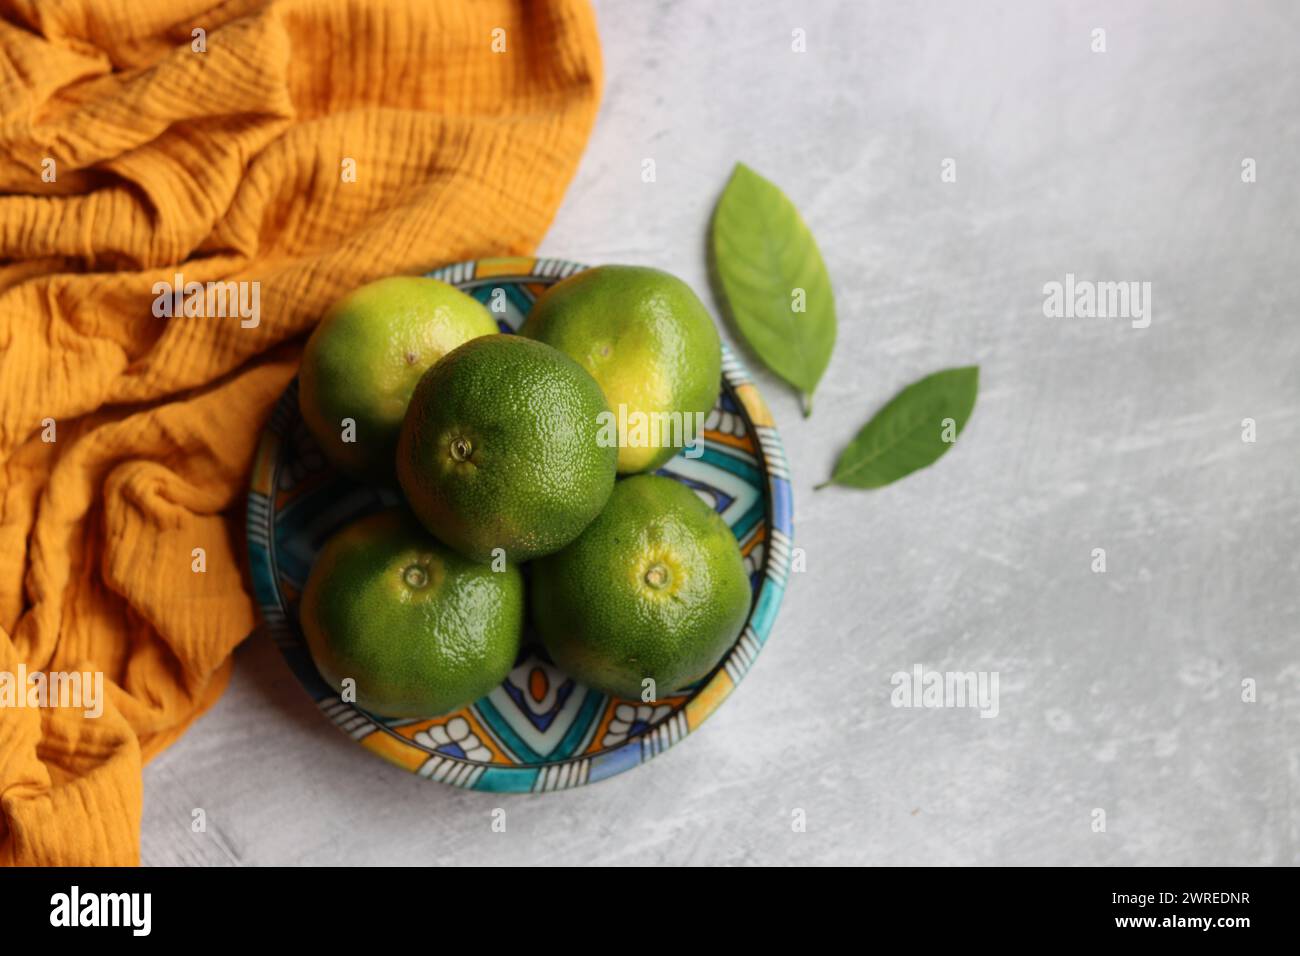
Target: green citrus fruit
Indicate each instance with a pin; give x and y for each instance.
(649, 342)
(500, 449)
(419, 629)
(364, 358)
(655, 588)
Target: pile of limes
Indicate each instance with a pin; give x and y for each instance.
(510, 449)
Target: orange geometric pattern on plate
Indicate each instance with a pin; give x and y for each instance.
(758, 536)
(538, 684)
(607, 717)
(393, 750)
(487, 268)
(741, 442)
(410, 730)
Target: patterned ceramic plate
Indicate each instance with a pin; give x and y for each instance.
(540, 730)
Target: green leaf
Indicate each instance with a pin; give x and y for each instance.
(914, 430)
(773, 280)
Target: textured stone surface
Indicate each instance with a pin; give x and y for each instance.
(1119, 691)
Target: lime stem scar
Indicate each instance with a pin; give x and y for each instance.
(416, 576)
(461, 449)
(657, 576)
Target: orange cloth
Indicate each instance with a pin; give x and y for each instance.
(224, 163)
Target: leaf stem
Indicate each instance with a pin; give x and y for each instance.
(805, 399)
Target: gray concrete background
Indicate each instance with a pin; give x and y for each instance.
(1119, 691)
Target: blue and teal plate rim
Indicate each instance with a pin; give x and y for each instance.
(540, 730)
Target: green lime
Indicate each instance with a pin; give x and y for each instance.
(500, 449)
(650, 343)
(654, 589)
(420, 630)
(364, 358)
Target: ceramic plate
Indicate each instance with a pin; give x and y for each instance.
(540, 729)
